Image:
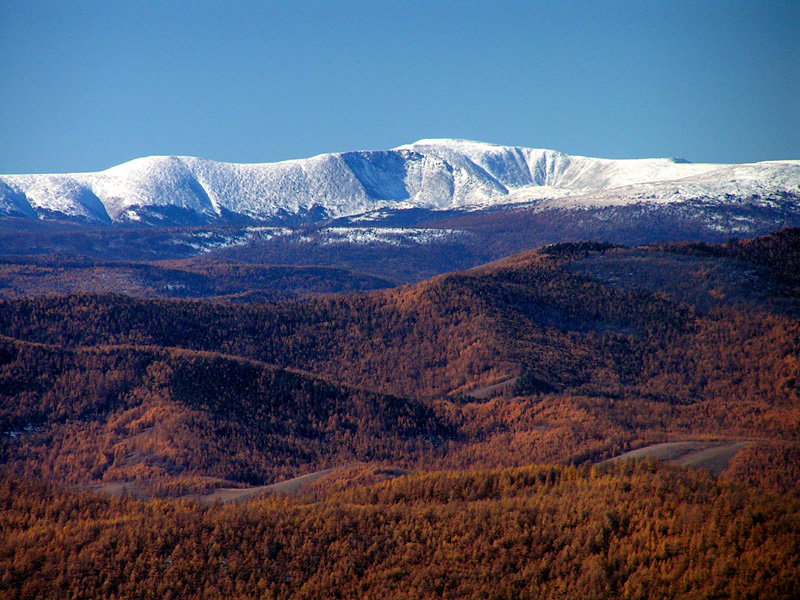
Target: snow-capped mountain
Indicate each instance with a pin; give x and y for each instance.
(432, 175)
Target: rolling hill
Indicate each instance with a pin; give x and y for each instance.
(598, 349)
(448, 438)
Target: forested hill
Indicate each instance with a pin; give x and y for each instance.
(568, 316)
(457, 432)
(571, 353)
(171, 421)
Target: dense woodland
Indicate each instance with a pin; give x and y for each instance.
(637, 532)
(599, 349)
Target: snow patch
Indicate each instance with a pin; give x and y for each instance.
(392, 236)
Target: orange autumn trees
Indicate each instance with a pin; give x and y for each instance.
(627, 531)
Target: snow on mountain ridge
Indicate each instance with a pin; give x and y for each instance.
(516, 167)
(429, 174)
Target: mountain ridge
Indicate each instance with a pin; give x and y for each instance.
(433, 175)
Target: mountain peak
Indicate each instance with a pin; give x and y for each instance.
(452, 142)
(455, 144)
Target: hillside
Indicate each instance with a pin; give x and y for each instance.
(449, 438)
(173, 420)
(604, 349)
(200, 277)
(545, 532)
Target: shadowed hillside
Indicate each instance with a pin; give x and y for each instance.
(174, 419)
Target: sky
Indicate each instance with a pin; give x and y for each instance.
(86, 85)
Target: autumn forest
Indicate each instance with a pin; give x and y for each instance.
(584, 420)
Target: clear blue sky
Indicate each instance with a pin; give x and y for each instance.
(87, 85)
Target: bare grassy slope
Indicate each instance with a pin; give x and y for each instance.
(714, 457)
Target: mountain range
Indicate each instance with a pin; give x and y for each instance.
(429, 179)
(581, 419)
